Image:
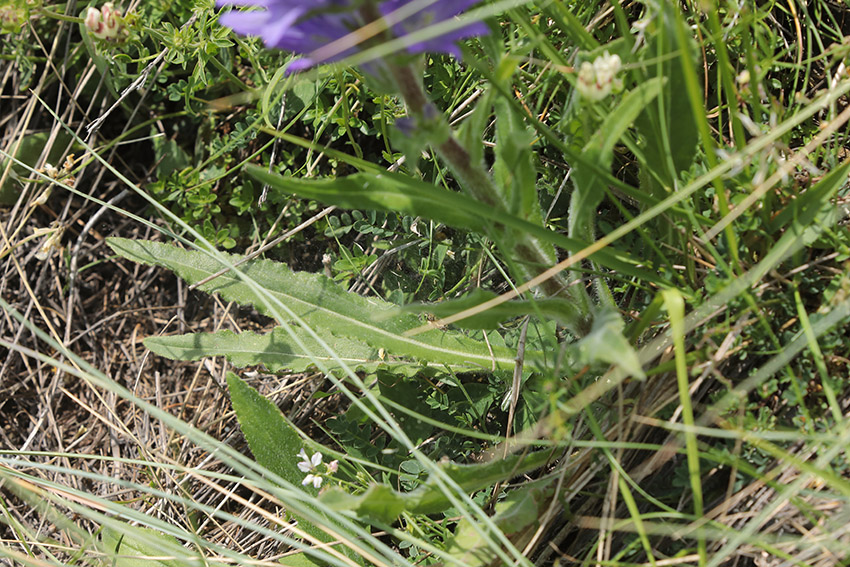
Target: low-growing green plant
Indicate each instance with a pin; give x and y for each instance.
(575, 292)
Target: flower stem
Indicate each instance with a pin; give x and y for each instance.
(533, 255)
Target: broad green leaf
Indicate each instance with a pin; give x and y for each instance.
(668, 127)
(278, 351)
(321, 304)
(142, 547)
(430, 499)
(399, 193)
(274, 442)
(387, 192)
(555, 309)
(380, 502)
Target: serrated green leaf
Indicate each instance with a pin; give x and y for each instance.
(320, 303)
(278, 351)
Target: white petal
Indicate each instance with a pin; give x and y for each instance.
(305, 466)
(317, 481)
(308, 479)
(317, 459)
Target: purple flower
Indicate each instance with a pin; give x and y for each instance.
(306, 26)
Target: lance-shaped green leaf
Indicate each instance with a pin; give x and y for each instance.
(399, 193)
(321, 304)
(277, 351)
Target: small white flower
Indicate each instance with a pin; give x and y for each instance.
(50, 171)
(94, 20)
(309, 464)
(52, 238)
(42, 199)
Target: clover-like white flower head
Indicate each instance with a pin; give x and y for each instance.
(105, 23)
(599, 79)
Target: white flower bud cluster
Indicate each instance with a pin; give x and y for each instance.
(106, 23)
(599, 79)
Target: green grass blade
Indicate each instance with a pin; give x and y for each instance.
(676, 307)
